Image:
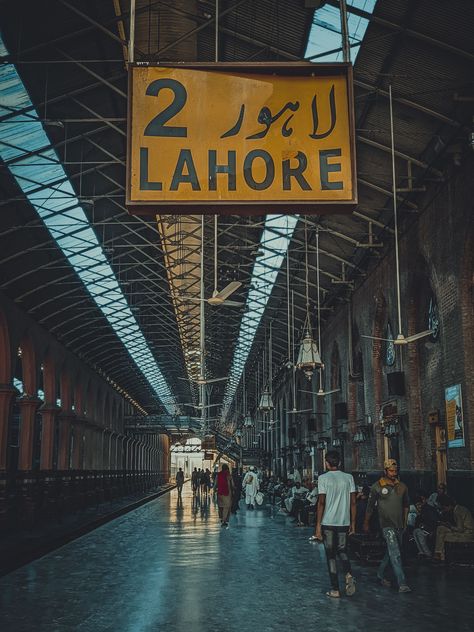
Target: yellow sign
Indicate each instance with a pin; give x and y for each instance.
(214, 136)
(450, 418)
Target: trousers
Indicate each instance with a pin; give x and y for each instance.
(335, 545)
(393, 538)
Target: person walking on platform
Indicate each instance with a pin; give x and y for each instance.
(180, 480)
(250, 483)
(336, 520)
(206, 479)
(195, 481)
(224, 494)
(391, 498)
(237, 483)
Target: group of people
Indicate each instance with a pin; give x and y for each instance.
(226, 485)
(341, 511)
(442, 518)
(229, 489)
(201, 480)
(439, 519)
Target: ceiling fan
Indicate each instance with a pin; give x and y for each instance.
(321, 392)
(199, 406)
(400, 339)
(201, 380)
(219, 297)
(306, 410)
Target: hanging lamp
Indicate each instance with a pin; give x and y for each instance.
(308, 356)
(248, 421)
(266, 401)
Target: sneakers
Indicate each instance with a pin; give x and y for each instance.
(350, 585)
(404, 589)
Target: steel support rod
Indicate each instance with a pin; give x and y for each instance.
(346, 48)
(216, 56)
(131, 41)
(395, 211)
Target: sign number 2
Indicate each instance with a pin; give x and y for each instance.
(157, 126)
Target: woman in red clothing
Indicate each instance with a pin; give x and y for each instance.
(224, 494)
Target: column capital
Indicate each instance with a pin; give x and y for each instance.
(28, 401)
(8, 389)
(49, 407)
(68, 415)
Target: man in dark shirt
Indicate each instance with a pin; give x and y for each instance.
(180, 480)
(391, 498)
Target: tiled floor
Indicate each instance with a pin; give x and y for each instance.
(170, 566)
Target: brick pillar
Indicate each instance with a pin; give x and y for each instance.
(49, 413)
(7, 392)
(415, 413)
(377, 372)
(28, 406)
(66, 422)
(79, 426)
(352, 420)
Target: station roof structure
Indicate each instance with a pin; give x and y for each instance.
(115, 288)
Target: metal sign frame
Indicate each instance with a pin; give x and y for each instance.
(246, 207)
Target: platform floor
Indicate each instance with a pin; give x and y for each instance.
(170, 566)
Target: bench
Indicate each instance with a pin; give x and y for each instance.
(366, 547)
(459, 553)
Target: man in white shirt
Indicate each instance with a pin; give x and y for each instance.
(251, 486)
(336, 520)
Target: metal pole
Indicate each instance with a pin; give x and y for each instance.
(216, 56)
(346, 47)
(395, 212)
(202, 329)
(131, 41)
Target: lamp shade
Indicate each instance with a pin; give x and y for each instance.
(248, 421)
(308, 356)
(266, 402)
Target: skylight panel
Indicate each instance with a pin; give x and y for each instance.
(276, 235)
(325, 33)
(50, 192)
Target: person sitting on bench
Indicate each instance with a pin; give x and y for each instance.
(294, 503)
(462, 531)
(425, 525)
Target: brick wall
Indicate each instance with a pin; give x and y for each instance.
(436, 256)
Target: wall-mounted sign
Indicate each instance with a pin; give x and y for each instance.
(209, 443)
(454, 416)
(241, 138)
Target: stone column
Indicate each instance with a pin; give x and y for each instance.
(28, 406)
(7, 392)
(49, 413)
(66, 423)
(79, 427)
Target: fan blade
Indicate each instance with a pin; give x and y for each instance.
(228, 290)
(295, 412)
(199, 406)
(233, 303)
(215, 379)
(323, 393)
(377, 338)
(421, 334)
